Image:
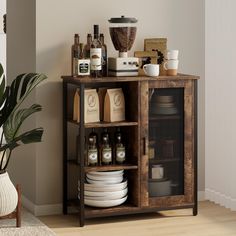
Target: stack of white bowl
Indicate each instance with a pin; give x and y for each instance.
(105, 188)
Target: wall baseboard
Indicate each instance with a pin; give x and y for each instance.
(56, 209)
(41, 210)
(201, 196)
(221, 199)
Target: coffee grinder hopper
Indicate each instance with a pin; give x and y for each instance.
(123, 32)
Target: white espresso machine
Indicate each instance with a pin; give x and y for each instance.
(123, 31)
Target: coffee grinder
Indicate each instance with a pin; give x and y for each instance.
(123, 31)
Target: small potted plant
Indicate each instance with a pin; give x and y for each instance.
(12, 116)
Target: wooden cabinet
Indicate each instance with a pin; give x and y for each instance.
(161, 141)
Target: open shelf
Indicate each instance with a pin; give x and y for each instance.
(91, 212)
(110, 167)
(104, 124)
(166, 160)
(125, 208)
(105, 168)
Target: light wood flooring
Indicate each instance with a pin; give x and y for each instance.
(212, 220)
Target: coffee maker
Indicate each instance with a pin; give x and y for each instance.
(123, 31)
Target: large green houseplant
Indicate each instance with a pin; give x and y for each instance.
(12, 116)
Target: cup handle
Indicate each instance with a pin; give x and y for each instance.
(144, 69)
(164, 65)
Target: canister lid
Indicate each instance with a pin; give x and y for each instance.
(123, 19)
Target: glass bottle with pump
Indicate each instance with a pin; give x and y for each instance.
(75, 51)
(92, 153)
(96, 54)
(119, 148)
(106, 150)
(104, 55)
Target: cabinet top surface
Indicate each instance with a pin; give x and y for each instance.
(87, 80)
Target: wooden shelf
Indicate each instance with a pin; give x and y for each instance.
(104, 168)
(164, 117)
(167, 160)
(91, 212)
(110, 167)
(106, 124)
(112, 79)
(125, 208)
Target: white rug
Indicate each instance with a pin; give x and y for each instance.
(30, 226)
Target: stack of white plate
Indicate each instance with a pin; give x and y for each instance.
(105, 188)
(163, 105)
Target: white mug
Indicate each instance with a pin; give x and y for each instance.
(157, 172)
(171, 67)
(172, 54)
(151, 69)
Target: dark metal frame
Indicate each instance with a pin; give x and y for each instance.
(65, 147)
(81, 153)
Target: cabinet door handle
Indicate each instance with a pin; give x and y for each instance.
(144, 146)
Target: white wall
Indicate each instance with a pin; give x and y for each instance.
(220, 101)
(21, 58)
(182, 22)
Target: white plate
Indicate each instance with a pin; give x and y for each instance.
(105, 188)
(104, 182)
(107, 203)
(107, 173)
(102, 194)
(104, 178)
(117, 195)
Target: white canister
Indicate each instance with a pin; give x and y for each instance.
(157, 172)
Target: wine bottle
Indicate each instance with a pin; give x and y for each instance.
(75, 51)
(104, 55)
(88, 46)
(106, 150)
(92, 157)
(83, 64)
(96, 54)
(119, 148)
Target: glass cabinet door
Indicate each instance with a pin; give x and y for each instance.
(166, 142)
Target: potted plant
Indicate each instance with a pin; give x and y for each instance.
(12, 116)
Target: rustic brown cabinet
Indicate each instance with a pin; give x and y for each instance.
(161, 139)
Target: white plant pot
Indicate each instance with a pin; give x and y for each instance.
(8, 195)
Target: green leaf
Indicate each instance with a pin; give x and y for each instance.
(20, 88)
(15, 120)
(32, 136)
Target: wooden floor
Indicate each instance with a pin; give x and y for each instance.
(213, 220)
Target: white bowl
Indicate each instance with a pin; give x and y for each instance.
(104, 182)
(105, 188)
(106, 203)
(102, 194)
(104, 178)
(116, 195)
(107, 173)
